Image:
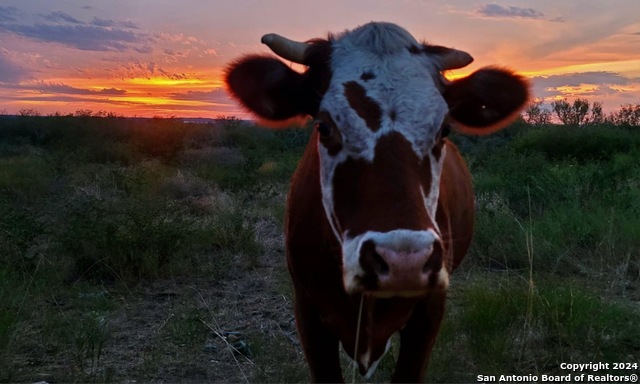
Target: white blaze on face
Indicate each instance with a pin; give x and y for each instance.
(401, 84)
(431, 196)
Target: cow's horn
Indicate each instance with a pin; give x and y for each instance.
(454, 59)
(285, 48)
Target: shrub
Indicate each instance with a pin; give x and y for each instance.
(129, 239)
(162, 138)
(582, 144)
(582, 214)
(25, 176)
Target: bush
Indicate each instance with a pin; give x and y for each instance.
(131, 239)
(25, 176)
(267, 156)
(580, 206)
(582, 144)
(162, 138)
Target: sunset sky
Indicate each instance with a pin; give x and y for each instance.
(166, 57)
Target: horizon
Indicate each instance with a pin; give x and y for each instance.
(149, 58)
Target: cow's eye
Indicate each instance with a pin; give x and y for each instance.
(323, 128)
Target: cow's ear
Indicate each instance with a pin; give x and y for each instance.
(487, 100)
(267, 87)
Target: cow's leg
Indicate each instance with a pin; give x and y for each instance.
(320, 345)
(417, 339)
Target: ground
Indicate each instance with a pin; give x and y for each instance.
(186, 330)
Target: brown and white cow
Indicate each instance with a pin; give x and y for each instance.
(381, 206)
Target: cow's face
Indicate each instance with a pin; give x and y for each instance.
(380, 124)
(381, 108)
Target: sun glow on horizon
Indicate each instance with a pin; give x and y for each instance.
(629, 68)
(198, 96)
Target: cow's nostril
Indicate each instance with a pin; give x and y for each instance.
(426, 267)
(371, 260)
(382, 266)
(434, 258)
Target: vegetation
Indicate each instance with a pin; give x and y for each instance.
(151, 249)
(580, 113)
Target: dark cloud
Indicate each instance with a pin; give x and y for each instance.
(103, 22)
(59, 98)
(128, 24)
(497, 10)
(150, 70)
(8, 13)
(111, 23)
(98, 35)
(174, 53)
(59, 16)
(9, 71)
(147, 70)
(144, 49)
(69, 90)
(84, 37)
(155, 70)
(111, 91)
(576, 79)
(213, 96)
(596, 83)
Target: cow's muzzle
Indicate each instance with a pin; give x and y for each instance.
(397, 263)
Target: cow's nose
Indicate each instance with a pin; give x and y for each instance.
(391, 270)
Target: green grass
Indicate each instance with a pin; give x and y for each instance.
(584, 214)
(279, 362)
(95, 212)
(500, 325)
(188, 327)
(25, 176)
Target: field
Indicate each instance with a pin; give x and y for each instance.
(152, 251)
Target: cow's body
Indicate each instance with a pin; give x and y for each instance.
(380, 210)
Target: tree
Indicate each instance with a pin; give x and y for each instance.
(83, 113)
(596, 116)
(569, 114)
(536, 114)
(562, 110)
(628, 114)
(28, 112)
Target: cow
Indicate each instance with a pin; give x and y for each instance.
(381, 207)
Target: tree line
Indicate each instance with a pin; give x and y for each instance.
(580, 113)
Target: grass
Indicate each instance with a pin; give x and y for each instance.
(487, 331)
(147, 250)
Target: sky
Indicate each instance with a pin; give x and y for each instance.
(167, 57)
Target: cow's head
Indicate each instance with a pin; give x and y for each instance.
(382, 108)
